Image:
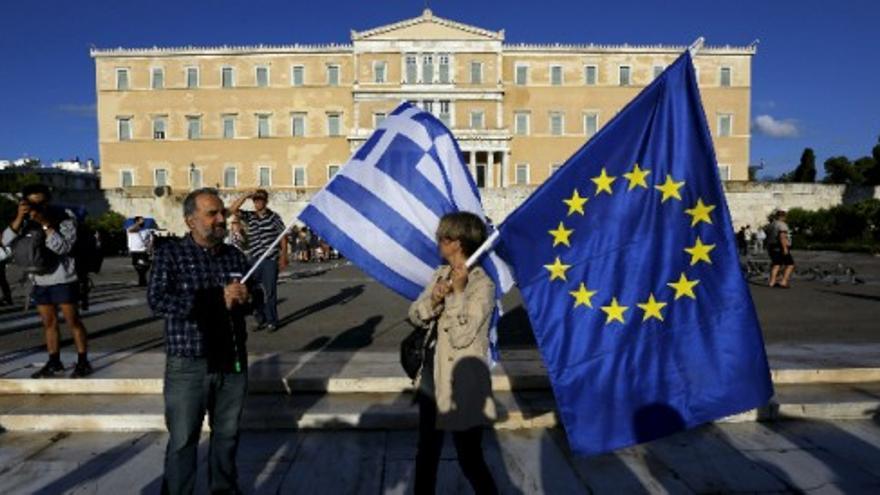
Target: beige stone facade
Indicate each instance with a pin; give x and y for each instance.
(286, 117)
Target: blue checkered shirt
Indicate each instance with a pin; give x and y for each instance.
(182, 274)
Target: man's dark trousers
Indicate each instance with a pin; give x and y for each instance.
(190, 391)
(266, 307)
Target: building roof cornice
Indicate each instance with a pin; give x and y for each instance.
(261, 49)
(625, 48)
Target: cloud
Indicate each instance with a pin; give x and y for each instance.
(769, 126)
(81, 110)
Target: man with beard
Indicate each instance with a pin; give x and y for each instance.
(195, 286)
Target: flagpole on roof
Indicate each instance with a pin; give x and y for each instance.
(696, 46)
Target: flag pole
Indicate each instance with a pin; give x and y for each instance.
(488, 244)
(696, 46)
(266, 253)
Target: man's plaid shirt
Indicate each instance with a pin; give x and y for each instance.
(182, 273)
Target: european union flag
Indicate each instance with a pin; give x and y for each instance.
(627, 264)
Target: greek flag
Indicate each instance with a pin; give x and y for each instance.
(381, 210)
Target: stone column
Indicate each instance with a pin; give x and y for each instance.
(490, 169)
(473, 165)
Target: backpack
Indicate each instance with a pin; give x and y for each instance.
(86, 250)
(29, 251)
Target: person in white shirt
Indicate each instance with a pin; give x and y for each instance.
(140, 239)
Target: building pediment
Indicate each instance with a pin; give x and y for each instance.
(427, 27)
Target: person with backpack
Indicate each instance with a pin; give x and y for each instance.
(42, 239)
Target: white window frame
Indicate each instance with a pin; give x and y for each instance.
(588, 114)
(729, 76)
(471, 71)
(305, 171)
(156, 177)
(260, 175)
(119, 121)
(376, 121)
(724, 171)
(596, 74)
(338, 74)
(189, 119)
(330, 166)
(189, 176)
(268, 117)
(339, 115)
(405, 59)
(424, 59)
(655, 72)
(234, 170)
(257, 76)
(528, 170)
(450, 113)
(722, 115)
(153, 72)
(620, 73)
(376, 78)
(528, 130)
(449, 68)
(164, 120)
(561, 74)
(293, 75)
(186, 77)
(561, 121)
(553, 168)
(516, 68)
(127, 72)
(223, 119)
(231, 76)
(122, 173)
(482, 115)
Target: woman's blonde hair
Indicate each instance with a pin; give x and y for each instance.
(464, 227)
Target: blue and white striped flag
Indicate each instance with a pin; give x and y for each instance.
(381, 210)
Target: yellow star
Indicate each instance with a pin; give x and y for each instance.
(575, 203)
(670, 189)
(557, 269)
(583, 296)
(603, 182)
(614, 311)
(700, 212)
(700, 252)
(637, 178)
(652, 308)
(561, 235)
(684, 287)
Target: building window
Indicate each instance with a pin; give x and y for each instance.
(445, 113)
(333, 75)
(477, 120)
(192, 77)
(522, 75)
(554, 167)
(556, 75)
(332, 170)
(228, 126)
(157, 76)
(230, 177)
(377, 119)
(299, 176)
(298, 124)
(522, 174)
(725, 124)
(624, 75)
(591, 124)
(476, 73)
(265, 177)
(126, 178)
(122, 79)
(411, 69)
(725, 77)
(227, 77)
(444, 69)
(427, 69)
(262, 77)
(724, 171)
(263, 126)
(557, 126)
(379, 72)
(195, 178)
(160, 177)
(658, 69)
(193, 127)
(159, 128)
(428, 106)
(298, 75)
(591, 75)
(124, 129)
(333, 124)
(521, 120)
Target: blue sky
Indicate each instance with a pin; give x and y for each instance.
(815, 75)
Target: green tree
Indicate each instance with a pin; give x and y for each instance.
(806, 170)
(872, 176)
(839, 170)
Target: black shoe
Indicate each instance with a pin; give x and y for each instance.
(49, 370)
(82, 370)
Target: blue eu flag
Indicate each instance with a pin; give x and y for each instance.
(627, 263)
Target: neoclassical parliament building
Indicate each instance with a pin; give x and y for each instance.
(287, 117)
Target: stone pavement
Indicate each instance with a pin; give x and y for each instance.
(791, 457)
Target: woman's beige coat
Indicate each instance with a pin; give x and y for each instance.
(456, 372)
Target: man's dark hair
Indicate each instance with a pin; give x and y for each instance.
(189, 203)
(36, 189)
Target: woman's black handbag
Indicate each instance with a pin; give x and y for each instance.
(412, 352)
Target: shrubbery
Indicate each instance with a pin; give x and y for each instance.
(850, 227)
